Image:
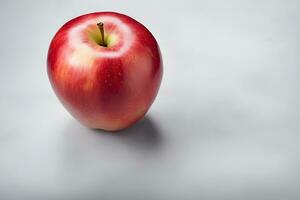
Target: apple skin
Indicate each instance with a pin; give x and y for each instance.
(111, 87)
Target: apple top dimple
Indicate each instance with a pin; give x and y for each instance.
(118, 36)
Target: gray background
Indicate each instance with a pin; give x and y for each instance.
(225, 125)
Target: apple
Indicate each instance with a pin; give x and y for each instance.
(105, 68)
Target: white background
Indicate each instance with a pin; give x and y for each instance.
(225, 125)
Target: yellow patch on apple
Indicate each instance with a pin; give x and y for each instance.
(83, 56)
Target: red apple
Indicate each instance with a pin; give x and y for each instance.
(106, 69)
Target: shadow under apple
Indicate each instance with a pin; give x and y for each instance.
(144, 135)
(80, 144)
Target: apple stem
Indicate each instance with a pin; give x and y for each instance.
(100, 26)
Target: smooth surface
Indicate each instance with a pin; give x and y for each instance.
(108, 88)
(225, 125)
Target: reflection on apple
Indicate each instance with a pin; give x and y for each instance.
(105, 68)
